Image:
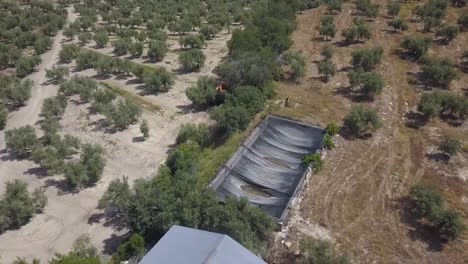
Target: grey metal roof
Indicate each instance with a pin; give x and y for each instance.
(183, 245)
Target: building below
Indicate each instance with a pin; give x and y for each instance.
(182, 245)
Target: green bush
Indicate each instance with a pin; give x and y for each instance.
(157, 50)
(448, 32)
(192, 41)
(69, 53)
(199, 134)
(313, 160)
(328, 142)
(158, 81)
(297, 63)
(463, 21)
(450, 146)
(393, 8)
(320, 252)
(26, 65)
(123, 113)
(416, 46)
(332, 129)
(88, 170)
(192, 60)
(439, 72)
(54, 106)
(57, 73)
(443, 103)
(85, 38)
(326, 68)
(14, 92)
(204, 92)
(427, 200)
(398, 24)
(101, 38)
(18, 205)
(450, 224)
(367, 59)
(84, 86)
(3, 116)
(327, 29)
(362, 120)
(327, 52)
(144, 129)
(134, 247)
(21, 141)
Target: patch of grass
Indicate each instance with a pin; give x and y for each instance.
(124, 93)
(213, 158)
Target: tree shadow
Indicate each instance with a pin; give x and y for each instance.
(191, 108)
(349, 93)
(39, 172)
(415, 120)
(138, 139)
(62, 186)
(112, 243)
(349, 135)
(420, 229)
(438, 157)
(104, 126)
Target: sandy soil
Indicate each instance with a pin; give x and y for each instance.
(357, 201)
(71, 214)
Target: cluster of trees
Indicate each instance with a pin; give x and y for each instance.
(358, 32)
(120, 113)
(156, 79)
(441, 103)
(363, 61)
(327, 28)
(152, 206)
(429, 204)
(366, 8)
(431, 13)
(22, 27)
(18, 205)
(326, 67)
(13, 93)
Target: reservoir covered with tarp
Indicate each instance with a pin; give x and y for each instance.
(267, 168)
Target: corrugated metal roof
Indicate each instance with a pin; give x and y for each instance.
(182, 245)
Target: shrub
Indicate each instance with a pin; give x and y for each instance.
(41, 45)
(367, 59)
(136, 49)
(450, 146)
(84, 86)
(192, 41)
(121, 46)
(362, 120)
(439, 72)
(450, 224)
(158, 81)
(398, 24)
(26, 65)
(199, 134)
(448, 32)
(370, 83)
(21, 141)
(210, 31)
(134, 247)
(3, 116)
(327, 68)
(297, 63)
(332, 129)
(84, 38)
(319, 252)
(427, 200)
(327, 29)
(144, 129)
(327, 52)
(328, 142)
(57, 73)
(123, 113)
(14, 91)
(18, 205)
(463, 21)
(204, 92)
(157, 50)
(101, 38)
(192, 60)
(69, 52)
(314, 160)
(393, 8)
(416, 46)
(443, 103)
(231, 118)
(88, 170)
(54, 107)
(86, 60)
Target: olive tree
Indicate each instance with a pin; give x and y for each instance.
(416, 46)
(21, 141)
(192, 60)
(362, 120)
(57, 74)
(203, 93)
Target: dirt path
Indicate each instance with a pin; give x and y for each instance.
(355, 200)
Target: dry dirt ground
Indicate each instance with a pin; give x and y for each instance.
(71, 214)
(357, 200)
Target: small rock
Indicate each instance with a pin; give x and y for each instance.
(288, 244)
(297, 253)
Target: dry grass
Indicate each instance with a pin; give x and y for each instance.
(358, 195)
